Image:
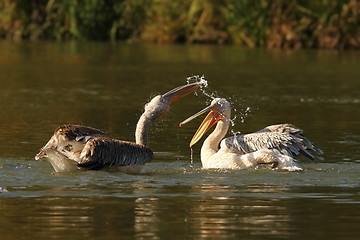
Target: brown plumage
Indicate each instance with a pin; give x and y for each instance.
(90, 148)
(79, 147)
(107, 152)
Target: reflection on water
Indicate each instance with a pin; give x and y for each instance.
(204, 212)
(227, 217)
(106, 85)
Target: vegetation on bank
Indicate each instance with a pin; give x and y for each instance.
(331, 24)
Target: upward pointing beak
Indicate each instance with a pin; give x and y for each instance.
(210, 120)
(180, 92)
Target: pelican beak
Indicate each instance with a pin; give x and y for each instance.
(40, 155)
(180, 92)
(210, 120)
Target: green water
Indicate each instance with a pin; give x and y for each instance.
(106, 85)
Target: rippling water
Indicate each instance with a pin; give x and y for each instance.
(106, 85)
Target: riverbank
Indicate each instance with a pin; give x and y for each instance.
(327, 24)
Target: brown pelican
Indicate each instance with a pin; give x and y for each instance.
(275, 145)
(79, 147)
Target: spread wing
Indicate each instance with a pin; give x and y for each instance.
(285, 138)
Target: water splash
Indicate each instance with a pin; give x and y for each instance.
(245, 114)
(242, 115)
(204, 84)
(199, 79)
(191, 157)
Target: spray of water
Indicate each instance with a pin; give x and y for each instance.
(191, 157)
(204, 84)
(199, 79)
(242, 115)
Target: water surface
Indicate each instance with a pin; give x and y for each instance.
(106, 85)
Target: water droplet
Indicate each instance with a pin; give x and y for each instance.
(244, 114)
(199, 79)
(191, 157)
(239, 115)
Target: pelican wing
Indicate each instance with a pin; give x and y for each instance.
(282, 128)
(90, 148)
(70, 140)
(285, 138)
(106, 152)
(78, 132)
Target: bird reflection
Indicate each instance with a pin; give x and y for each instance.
(146, 223)
(220, 212)
(220, 216)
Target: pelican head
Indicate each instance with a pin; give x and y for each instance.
(159, 105)
(220, 110)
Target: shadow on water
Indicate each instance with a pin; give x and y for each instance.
(106, 85)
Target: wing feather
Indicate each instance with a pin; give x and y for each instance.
(90, 148)
(70, 140)
(285, 138)
(78, 132)
(107, 152)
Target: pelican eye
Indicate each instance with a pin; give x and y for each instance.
(68, 147)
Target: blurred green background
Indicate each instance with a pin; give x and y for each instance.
(329, 24)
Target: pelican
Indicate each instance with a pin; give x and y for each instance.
(275, 145)
(75, 147)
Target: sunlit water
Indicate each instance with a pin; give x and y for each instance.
(106, 85)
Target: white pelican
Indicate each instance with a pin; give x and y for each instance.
(275, 145)
(79, 147)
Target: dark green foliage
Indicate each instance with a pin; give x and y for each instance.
(273, 24)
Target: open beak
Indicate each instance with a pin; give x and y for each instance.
(180, 92)
(210, 120)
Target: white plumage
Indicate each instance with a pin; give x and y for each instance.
(275, 145)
